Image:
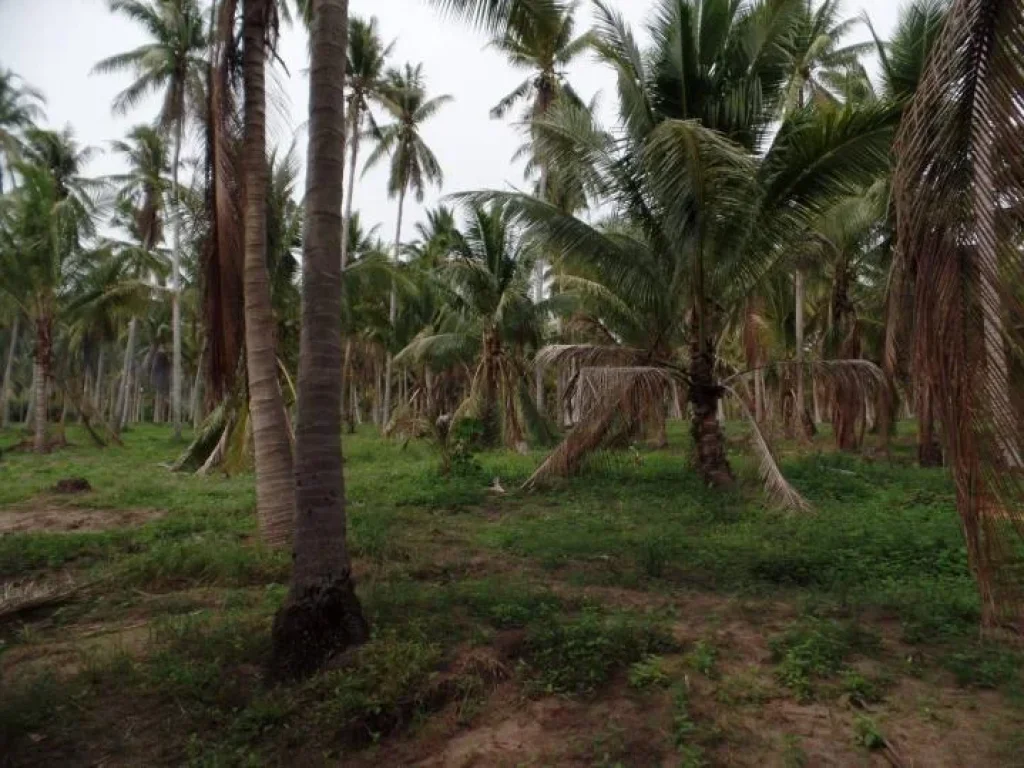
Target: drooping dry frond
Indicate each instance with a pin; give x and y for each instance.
(612, 401)
(776, 487)
(959, 187)
(589, 355)
(862, 374)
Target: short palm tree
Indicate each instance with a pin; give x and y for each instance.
(413, 164)
(21, 106)
(174, 63)
(365, 80)
(487, 321)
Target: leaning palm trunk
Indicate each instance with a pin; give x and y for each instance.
(41, 376)
(957, 182)
(275, 484)
(346, 226)
(321, 615)
(5, 393)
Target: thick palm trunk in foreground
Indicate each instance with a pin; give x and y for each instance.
(5, 393)
(275, 483)
(321, 615)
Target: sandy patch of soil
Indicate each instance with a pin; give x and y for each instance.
(45, 516)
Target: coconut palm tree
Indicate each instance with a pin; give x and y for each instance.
(366, 83)
(958, 184)
(715, 187)
(820, 70)
(275, 483)
(542, 42)
(21, 106)
(42, 225)
(173, 63)
(140, 209)
(487, 321)
(321, 614)
(413, 164)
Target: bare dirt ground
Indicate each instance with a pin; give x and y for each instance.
(50, 515)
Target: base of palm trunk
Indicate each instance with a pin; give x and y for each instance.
(315, 623)
(929, 453)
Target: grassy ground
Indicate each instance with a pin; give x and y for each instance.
(629, 617)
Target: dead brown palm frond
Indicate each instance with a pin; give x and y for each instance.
(776, 487)
(958, 186)
(590, 355)
(614, 401)
(222, 254)
(17, 597)
(860, 373)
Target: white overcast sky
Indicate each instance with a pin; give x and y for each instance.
(53, 44)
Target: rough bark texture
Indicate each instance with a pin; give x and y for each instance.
(176, 289)
(275, 483)
(321, 615)
(708, 441)
(41, 362)
(5, 393)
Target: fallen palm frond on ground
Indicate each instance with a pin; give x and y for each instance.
(17, 597)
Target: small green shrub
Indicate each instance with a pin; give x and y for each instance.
(817, 648)
(702, 658)
(985, 666)
(649, 672)
(580, 655)
(867, 733)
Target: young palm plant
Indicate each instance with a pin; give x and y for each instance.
(488, 321)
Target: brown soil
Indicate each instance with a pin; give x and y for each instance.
(51, 516)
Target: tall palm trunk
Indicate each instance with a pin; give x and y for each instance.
(802, 421)
(124, 397)
(41, 376)
(346, 225)
(708, 441)
(392, 314)
(275, 483)
(321, 614)
(5, 393)
(176, 286)
(97, 395)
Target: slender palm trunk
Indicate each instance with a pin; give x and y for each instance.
(176, 288)
(41, 376)
(321, 615)
(275, 483)
(346, 225)
(392, 314)
(97, 395)
(5, 393)
(124, 398)
(196, 404)
(802, 423)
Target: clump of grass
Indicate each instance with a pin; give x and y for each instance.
(29, 703)
(986, 666)
(206, 559)
(649, 672)
(381, 688)
(579, 655)
(817, 649)
(864, 689)
(686, 734)
(702, 657)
